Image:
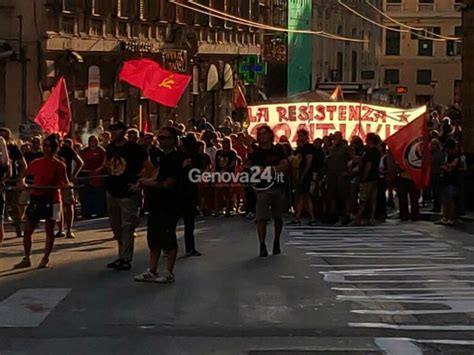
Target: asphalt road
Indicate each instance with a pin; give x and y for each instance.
(394, 288)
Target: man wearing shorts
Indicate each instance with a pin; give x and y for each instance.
(69, 156)
(49, 176)
(164, 208)
(269, 194)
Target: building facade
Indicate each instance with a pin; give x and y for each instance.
(422, 69)
(87, 41)
(299, 46)
(288, 55)
(351, 64)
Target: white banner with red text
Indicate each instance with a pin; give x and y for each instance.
(323, 118)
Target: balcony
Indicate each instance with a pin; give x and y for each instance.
(122, 29)
(68, 24)
(97, 27)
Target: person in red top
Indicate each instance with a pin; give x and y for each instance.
(49, 176)
(92, 196)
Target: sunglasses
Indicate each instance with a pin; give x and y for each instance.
(162, 138)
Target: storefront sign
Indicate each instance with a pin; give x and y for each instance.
(140, 47)
(323, 118)
(176, 60)
(93, 88)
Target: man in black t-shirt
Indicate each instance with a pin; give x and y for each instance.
(69, 156)
(126, 163)
(269, 194)
(164, 208)
(305, 151)
(18, 166)
(369, 177)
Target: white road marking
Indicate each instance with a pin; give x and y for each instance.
(435, 265)
(398, 346)
(30, 307)
(414, 327)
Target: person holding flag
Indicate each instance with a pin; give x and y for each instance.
(410, 149)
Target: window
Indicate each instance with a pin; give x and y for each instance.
(144, 10)
(245, 9)
(71, 5)
(393, 5)
(425, 47)
(279, 12)
(426, 5)
(354, 67)
(423, 77)
(392, 76)
(255, 11)
(167, 10)
(392, 42)
(424, 99)
(123, 8)
(219, 5)
(454, 48)
(101, 7)
(367, 75)
(203, 20)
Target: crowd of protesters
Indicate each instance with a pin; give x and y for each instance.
(122, 173)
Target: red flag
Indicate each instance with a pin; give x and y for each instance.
(164, 87)
(55, 115)
(337, 95)
(239, 98)
(135, 71)
(410, 148)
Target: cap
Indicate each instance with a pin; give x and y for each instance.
(118, 126)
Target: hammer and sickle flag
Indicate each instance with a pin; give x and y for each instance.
(167, 83)
(157, 84)
(165, 87)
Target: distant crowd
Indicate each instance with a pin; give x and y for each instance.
(122, 173)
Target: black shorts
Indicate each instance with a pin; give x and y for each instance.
(162, 229)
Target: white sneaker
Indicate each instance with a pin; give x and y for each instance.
(147, 276)
(165, 278)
